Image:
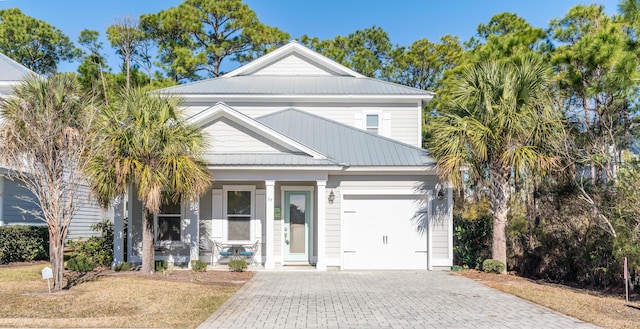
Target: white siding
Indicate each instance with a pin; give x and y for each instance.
(87, 214)
(402, 123)
(292, 65)
(225, 138)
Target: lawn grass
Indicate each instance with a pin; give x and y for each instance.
(605, 310)
(108, 301)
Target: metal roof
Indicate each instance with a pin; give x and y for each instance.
(294, 85)
(11, 73)
(11, 70)
(344, 144)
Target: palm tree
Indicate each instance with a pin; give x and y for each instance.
(45, 138)
(498, 125)
(147, 146)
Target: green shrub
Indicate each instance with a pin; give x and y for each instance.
(98, 248)
(198, 266)
(121, 267)
(493, 266)
(20, 243)
(237, 265)
(471, 239)
(80, 263)
(162, 265)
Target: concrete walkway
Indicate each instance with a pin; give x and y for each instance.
(378, 299)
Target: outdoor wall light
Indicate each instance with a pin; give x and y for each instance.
(331, 197)
(439, 191)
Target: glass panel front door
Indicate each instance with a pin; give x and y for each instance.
(296, 228)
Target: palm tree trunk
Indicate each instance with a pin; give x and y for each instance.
(148, 248)
(56, 258)
(501, 194)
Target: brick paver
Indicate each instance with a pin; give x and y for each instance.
(378, 299)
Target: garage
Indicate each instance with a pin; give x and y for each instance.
(384, 232)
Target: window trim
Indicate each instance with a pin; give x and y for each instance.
(365, 125)
(225, 212)
(159, 242)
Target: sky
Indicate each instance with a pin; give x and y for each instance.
(404, 20)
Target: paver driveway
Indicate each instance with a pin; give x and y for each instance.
(378, 299)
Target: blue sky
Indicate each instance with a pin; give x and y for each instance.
(404, 20)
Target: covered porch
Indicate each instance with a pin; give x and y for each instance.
(283, 210)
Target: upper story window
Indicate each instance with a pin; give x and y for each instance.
(168, 223)
(372, 123)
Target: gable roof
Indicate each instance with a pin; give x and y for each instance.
(296, 153)
(257, 79)
(346, 145)
(11, 73)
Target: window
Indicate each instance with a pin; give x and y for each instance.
(372, 123)
(239, 213)
(168, 223)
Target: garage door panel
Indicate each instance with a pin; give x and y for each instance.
(381, 232)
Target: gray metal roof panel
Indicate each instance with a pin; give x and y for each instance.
(345, 144)
(293, 85)
(11, 70)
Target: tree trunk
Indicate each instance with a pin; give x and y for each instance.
(148, 248)
(56, 258)
(501, 194)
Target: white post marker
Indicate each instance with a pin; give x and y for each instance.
(47, 274)
(626, 279)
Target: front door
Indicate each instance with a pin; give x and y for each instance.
(297, 212)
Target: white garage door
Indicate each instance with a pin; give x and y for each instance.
(383, 232)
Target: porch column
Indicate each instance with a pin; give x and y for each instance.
(321, 264)
(117, 211)
(269, 263)
(193, 229)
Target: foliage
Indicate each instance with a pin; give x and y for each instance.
(23, 243)
(144, 141)
(80, 263)
(471, 239)
(127, 37)
(161, 265)
(46, 134)
(34, 43)
(493, 266)
(498, 125)
(97, 248)
(197, 35)
(123, 267)
(365, 51)
(237, 265)
(198, 265)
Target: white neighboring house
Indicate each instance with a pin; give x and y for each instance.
(12, 74)
(318, 163)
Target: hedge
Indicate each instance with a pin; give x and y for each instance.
(23, 243)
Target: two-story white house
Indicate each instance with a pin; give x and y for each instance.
(318, 163)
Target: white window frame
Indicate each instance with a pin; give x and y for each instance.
(225, 212)
(159, 242)
(366, 127)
